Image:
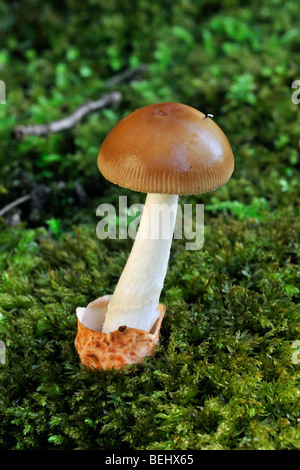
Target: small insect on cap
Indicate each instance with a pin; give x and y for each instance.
(167, 148)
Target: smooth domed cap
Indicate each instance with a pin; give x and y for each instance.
(167, 148)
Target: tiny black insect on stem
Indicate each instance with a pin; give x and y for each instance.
(122, 328)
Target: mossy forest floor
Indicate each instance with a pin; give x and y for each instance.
(226, 372)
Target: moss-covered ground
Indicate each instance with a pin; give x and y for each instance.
(226, 372)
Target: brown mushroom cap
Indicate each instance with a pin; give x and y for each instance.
(166, 148)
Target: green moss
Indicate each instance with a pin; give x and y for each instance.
(222, 378)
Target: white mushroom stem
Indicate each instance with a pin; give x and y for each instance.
(136, 297)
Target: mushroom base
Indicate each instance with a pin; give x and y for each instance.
(116, 349)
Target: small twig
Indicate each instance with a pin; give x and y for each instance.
(14, 204)
(127, 76)
(205, 288)
(51, 274)
(70, 121)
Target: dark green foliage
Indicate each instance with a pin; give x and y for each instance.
(223, 376)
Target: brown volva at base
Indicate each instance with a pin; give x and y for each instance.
(118, 348)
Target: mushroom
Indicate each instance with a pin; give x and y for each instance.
(164, 150)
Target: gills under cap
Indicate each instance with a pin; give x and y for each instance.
(167, 148)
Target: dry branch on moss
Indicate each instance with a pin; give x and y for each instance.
(108, 99)
(14, 204)
(126, 76)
